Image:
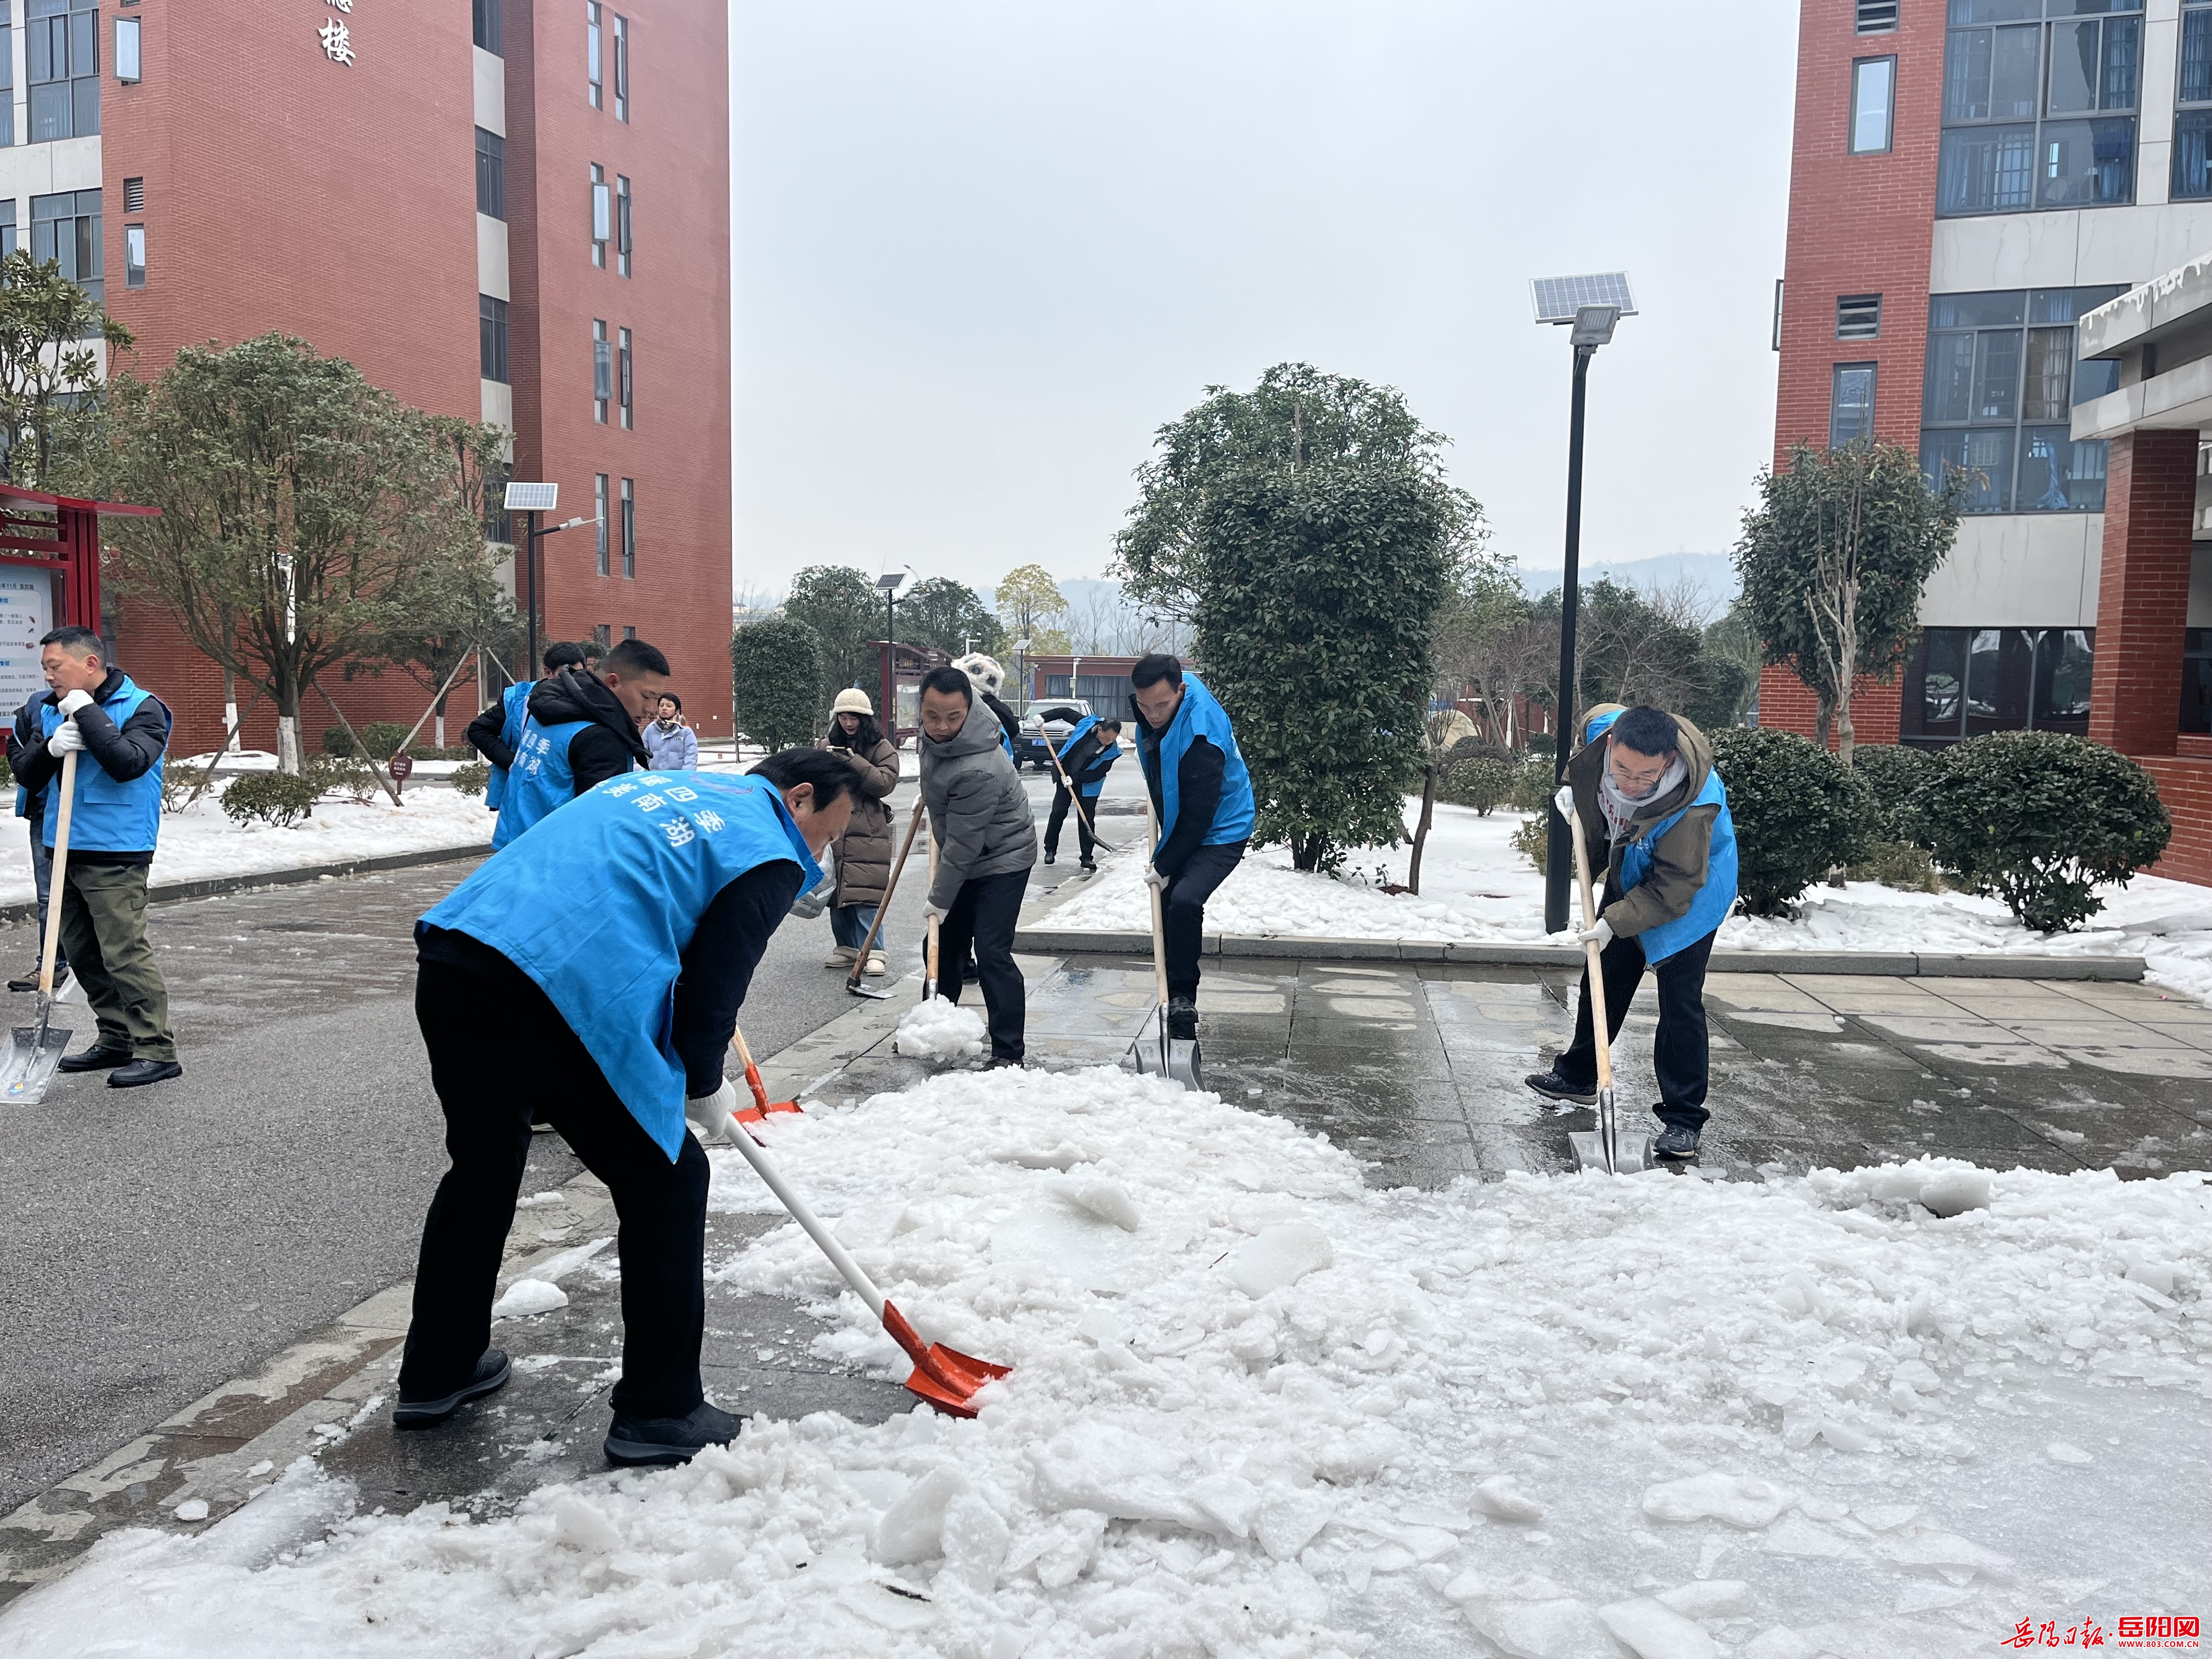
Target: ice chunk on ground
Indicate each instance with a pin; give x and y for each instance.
(1538, 1625)
(941, 1031)
(1118, 1473)
(913, 1529)
(1956, 1191)
(1709, 1598)
(1278, 1255)
(1107, 1200)
(1653, 1632)
(1737, 1499)
(1501, 1499)
(192, 1509)
(2059, 1451)
(526, 1296)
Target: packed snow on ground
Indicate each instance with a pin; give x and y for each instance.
(1258, 1409)
(1476, 887)
(203, 843)
(939, 1030)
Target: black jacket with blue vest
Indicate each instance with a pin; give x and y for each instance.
(117, 816)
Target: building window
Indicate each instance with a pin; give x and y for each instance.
(629, 633)
(2002, 387)
(2192, 118)
(602, 216)
(592, 52)
(484, 23)
(7, 73)
(621, 225)
(134, 195)
(600, 634)
(1877, 16)
(65, 228)
(1850, 404)
(2196, 680)
(7, 226)
(134, 256)
(602, 371)
(491, 337)
(1964, 682)
(1873, 96)
(62, 55)
(491, 175)
(599, 501)
(629, 527)
(2038, 114)
(126, 50)
(622, 68)
(623, 381)
(1858, 316)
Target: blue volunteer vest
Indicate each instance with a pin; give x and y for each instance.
(540, 781)
(516, 702)
(1201, 716)
(598, 903)
(109, 815)
(1715, 899)
(1089, 791)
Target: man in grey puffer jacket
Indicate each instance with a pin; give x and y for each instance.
(986, 838)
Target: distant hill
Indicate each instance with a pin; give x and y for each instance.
(1713, 574)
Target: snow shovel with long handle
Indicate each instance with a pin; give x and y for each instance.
(1605, 1147)
(860, 962)
(1068, 784)
(34, 1051)
(929, 954)
(762, 1105)
(1159, 1055)
(944, 1376)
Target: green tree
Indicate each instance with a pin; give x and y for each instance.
(53, 396)
(846, 613)
(1732, 645)
(951, 617)
(775, 665)
(1029, 602)
(1833, 559)
(299, 506)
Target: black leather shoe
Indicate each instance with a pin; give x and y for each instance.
(491, 1374)
(670, 1439)
(1049, 857)
(1088, 865)
(1182, 1018)
(1676, 1141)
(1553, 1086)
(140, 1073)
(94, 1059)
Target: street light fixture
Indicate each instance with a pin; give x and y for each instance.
(1590, 307)
(532, 499)
(888, 585)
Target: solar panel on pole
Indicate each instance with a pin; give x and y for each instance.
(1557, 298)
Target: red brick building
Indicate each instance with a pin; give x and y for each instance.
(1971, 181)
(520, 215)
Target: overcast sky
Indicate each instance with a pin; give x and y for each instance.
(984, 250)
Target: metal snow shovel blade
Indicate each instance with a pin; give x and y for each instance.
(762, 1105)
(860, 962)
(1604, 1148)
(34, 1051)
(947, 1378)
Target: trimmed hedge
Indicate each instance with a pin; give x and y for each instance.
(1797, 813)
(1894, 775)
(1532, 840)
(473, 779)
(271, 797)
(1483, 785)
(2040, 819)
(1533, 784)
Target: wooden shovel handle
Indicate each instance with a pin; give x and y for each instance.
(1601, 1030)
(59, 877)
(860, 962)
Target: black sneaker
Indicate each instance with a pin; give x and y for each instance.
(491, 1374)
(1182, 1018)
(1553, 1086)
(1676, 1141)
(140, 1073)
(98, 1058)
(670, 1439)
(1003, 1062)
(1049, 857)
(1088, 865)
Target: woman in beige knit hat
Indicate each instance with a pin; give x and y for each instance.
(864, 851)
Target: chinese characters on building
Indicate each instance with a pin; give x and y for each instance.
(336, 36)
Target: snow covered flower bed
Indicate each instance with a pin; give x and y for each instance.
(1258, 1409)
(1475, 887)
(203, 843)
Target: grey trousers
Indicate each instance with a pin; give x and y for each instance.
(104, 928)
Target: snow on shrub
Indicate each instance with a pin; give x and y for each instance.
(1798, 814)
(2040, 819)
(270, 797)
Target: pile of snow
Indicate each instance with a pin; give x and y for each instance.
(203, 843)
(1259, 1409)
(1476, 888)
(939, 1030)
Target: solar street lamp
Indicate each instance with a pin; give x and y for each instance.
(534, 499)
(1589, 306)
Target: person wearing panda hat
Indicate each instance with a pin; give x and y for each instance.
(988, 677)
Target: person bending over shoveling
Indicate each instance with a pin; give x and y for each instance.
(593, 972)
(1657, 817)
(1202, 795)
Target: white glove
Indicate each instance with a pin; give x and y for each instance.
(1153, 878)
(74, 701)
(709, 1115)
(1564, 802)
(1601, 935)
(65, 740)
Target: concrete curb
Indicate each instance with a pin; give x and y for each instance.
(1905, 964)
(215, 886)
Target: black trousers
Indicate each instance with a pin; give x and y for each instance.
(1059, 800)
(983, 915)
(1182, 903)
(501, 1051)
(1679, 1054)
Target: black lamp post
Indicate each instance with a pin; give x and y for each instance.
(888, 586)
(536, 536)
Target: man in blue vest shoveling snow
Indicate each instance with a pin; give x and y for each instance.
(1086, 757)
(1203, 796)
(593, 972)
(1657, 817)
(495, 731)
(582, 730)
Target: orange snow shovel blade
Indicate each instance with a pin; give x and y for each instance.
(762, 1105)
(946, 1377)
